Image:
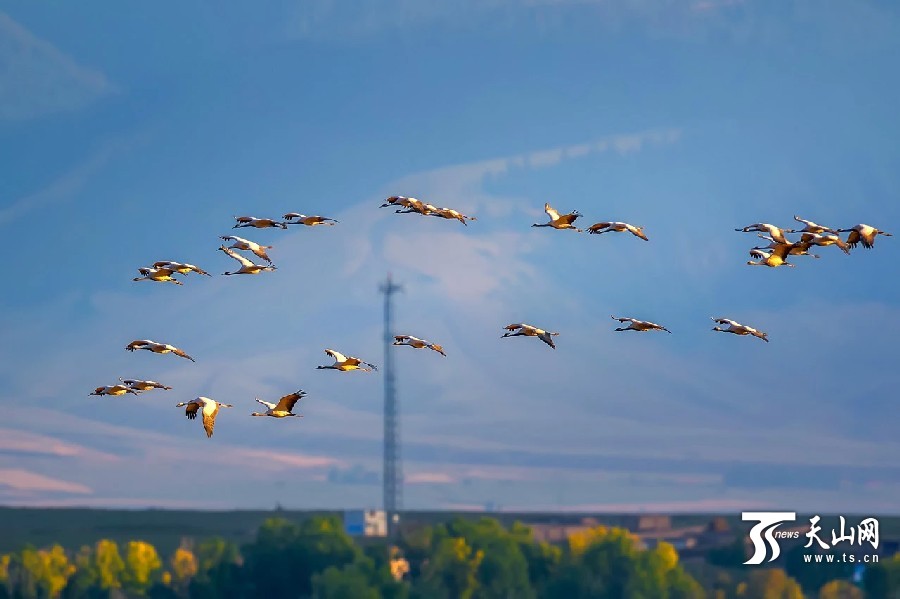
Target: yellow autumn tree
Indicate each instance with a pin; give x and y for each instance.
(108, 564)
(141, 563)
(580, 541)
(840, 589)
(666, 555)
(55, 570)
(4, 575)
(183, 566)
(770, 583)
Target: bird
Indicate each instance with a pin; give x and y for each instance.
(163, 275)
(417, 343)
(824, 239)
(775, 258)
(799, 249)
(449, 213)
(739, 329)
(114, 390)
(259, 223)
(244, 244)
(776, 233)
(811, 227)
(141, 385)
(209, 407)
(527, 330)
(295, 218)
(864, 234)
(396, 201)
(138, 343)
(619, 228)
(344, 364)
(284, 406)
(157, 348)
(559, 222)
(418, 207)
(247, 267)
(411, 204)
(639, 325)
(180, 267)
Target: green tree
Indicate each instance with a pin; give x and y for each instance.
(503, 568)
(451, 571)
(352, 581)
(811, 579)
(543, 559)
(882, 580)
(86, 577)
(285, 556)
(611, 563)
(219, 573)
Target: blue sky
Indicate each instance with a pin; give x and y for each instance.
(134, 134)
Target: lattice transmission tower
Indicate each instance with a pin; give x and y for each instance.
(392, 472)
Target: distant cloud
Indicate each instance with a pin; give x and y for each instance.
(71, 182)
(23, 480)
(355, 475)
(466, 268)
(38, 79)
(695, 505)
(428, 478)
(461, 185)
(17, 441)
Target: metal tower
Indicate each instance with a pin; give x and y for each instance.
(392, 474)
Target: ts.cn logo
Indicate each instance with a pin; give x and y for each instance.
(768, 522)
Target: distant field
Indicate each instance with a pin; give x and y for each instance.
(166, 528)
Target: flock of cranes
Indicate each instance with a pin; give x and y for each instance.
(775, 254)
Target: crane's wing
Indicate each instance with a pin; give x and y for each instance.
(179, 352)
(139, 343)
(191, 409)
(269, 405)
(783, 249)
(236, 256)
(726, 321)
(553, 214)
(546, 338)
(759, 254)
(287, 402)
(197, 270)
(622, 319)
(338, 356)
(209, 421)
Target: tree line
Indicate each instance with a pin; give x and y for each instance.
(460, 559)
